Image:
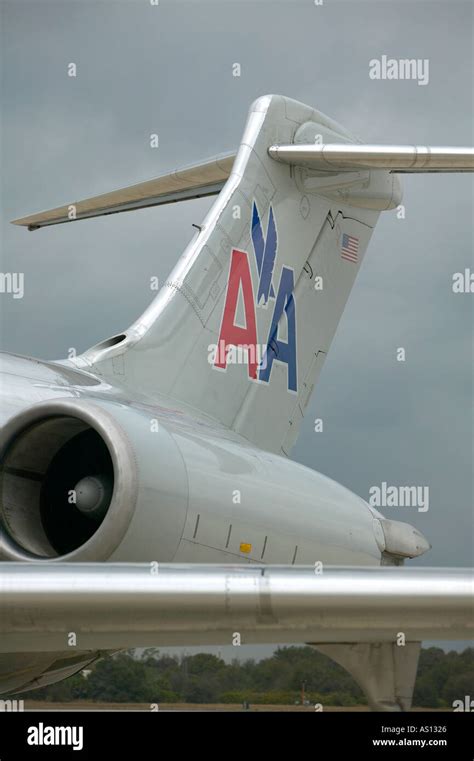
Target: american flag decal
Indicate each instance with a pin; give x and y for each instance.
(350, 248)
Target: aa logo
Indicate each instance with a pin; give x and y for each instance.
(255, 296)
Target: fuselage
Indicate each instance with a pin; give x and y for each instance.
(205, 493)
(173, 486)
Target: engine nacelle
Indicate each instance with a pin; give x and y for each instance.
(93, 480)
(79, 479)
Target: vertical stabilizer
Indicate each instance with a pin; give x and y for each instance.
(244, 322)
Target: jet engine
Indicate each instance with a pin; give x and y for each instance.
(77, 476)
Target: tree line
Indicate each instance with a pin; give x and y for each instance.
(280, 679)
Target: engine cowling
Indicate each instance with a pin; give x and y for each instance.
(80, 478)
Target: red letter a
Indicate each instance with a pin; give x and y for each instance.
(230, 333)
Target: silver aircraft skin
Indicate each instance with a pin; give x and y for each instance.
(157, 461)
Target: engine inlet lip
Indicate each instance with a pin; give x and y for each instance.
(111, 531)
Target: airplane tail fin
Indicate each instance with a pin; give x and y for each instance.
(242, 326)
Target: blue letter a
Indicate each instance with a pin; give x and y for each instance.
(276, 349)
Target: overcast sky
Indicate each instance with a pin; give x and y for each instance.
(167, 69)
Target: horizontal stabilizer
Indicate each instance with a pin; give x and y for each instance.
(395, 158)
(197, 181)
(120, 605)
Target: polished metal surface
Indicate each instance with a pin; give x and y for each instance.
(396, 158)
(122, 605)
